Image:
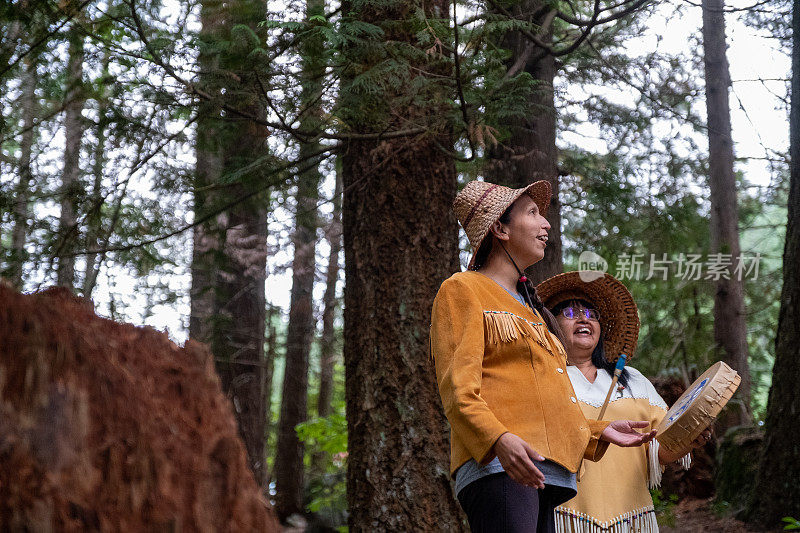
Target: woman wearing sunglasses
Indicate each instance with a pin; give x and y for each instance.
(517, 432)
(599, 321)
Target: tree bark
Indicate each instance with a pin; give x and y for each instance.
(327, 351)
(71, 174)
(776, 493)
(289, 466)
(327, 342)
(400, 243)
(289, 469)
(530, 153)
(229, 255)
(22, 195)
(208, 170)
(730, 327)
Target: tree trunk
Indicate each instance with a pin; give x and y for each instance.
(730, 328)
(327, 342)
(530, 153)
(229, 255)
(777, 493)
(327, 351)
(289, 466)
(94, 216)
(71, 175)
(400, 243)
(269, 370)
(208, 170)
(289, 469)
(238, 337)
(22, 195)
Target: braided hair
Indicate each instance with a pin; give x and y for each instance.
(525, 286)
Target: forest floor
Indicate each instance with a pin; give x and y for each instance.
(691, 515)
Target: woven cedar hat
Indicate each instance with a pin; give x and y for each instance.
(480, 204)
(619, 317)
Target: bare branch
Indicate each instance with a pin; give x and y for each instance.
(462, 102)
(314, 158)
(594, 21)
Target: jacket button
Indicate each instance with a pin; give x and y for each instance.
(560, 370)
(572, 399)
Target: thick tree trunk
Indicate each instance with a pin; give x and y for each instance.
(400, 243)
(398, 475)
(229, 255)
(530, 153)
(22, 194)
(777, 493)
(238, 336)
(730, 327)
(71, 174)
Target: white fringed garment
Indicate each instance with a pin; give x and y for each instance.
(638, 521)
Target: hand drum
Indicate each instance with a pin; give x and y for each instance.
(697, 408)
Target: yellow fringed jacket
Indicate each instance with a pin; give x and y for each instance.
(499, 369)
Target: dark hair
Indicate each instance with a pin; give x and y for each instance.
(526, 288)
(599, 354)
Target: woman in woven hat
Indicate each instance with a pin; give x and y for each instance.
(517, 432)
(599, 321)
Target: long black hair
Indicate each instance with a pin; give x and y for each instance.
(599, 354)
(525, 288)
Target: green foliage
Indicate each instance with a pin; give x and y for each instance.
(664, 506)
(645, 194)
(325, 440)
(631, 185)
(720, 508)
(326, 447)
(327, 434)
(790, 524)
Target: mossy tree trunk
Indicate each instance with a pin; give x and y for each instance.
(400, 243)
(229, 256)
(529, 153)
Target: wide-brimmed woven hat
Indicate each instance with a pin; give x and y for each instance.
(480, 204)
(619, 317)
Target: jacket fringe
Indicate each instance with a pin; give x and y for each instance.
(503, 326)
(637, 521)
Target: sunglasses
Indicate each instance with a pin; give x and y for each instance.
(573, 313)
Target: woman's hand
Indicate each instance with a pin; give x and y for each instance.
(517, 458)
(623, 433)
